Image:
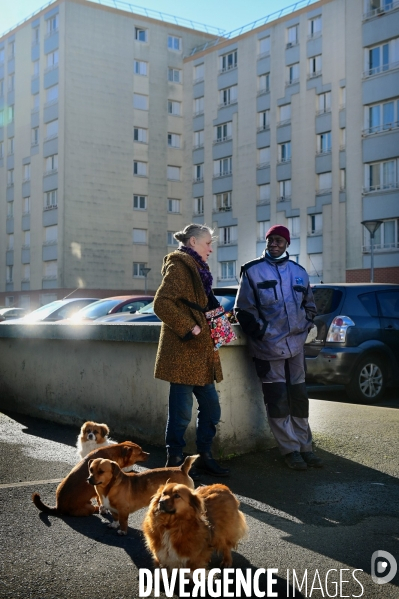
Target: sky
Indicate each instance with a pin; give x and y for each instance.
(228, 15)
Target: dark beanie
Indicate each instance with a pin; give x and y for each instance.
(279, 230)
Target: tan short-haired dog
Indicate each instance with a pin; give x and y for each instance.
(183, 528)
(74, 494)
(123, 493)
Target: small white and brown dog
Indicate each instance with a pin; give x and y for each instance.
(92, 436)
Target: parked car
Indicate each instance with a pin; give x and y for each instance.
(110, 305)
(225, 295)
(357, 343)
(57, 310)
(8, 313)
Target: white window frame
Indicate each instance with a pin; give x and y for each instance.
(315, 265)
(294, 226)
(263, 157)
(51, 164)
(264, 84)
(228, 61)
(381, 123)
(315, 224)
(52, 129)
(51, 235)
(26, 208)
(263, 226)
(285, 114)
(174, 75)
(292, 36)
(140, 135)
(198, 206)
(139, 236)
(51, 199)
(228, 95)
(228, 270)
(50, 269)
(52, 94)
(228, 235)
(293, 71)
(140, 67)
(324, 142)
(324, 103)
(174, 206)
(139, 202)
(264, 46)
(140, 101)
(35, 136)
(314, 27)
(26, 241)
(380, 243)
(324, 182)
(284, 152)
(174, 140)
(315, 66)
(173, 173)
(174, 43)
(199, 137)
(170, 240)
(139, 168)
(264, 120)
(198, 172)
(52, 24)
(222, 202)
(137, 270)
(222, 167)
(199, 72)
(140, 34)
(382, 175)
(264, 193)
(285, 190)
(174, 108)
(223, 132)
(199, 104)
(52, 59)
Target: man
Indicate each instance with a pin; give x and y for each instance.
(275, 308)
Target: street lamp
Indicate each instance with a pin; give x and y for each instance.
(145, 272)
(372, 226)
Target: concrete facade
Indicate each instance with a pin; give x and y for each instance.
(294, 121)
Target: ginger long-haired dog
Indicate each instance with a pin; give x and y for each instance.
(183, 528)
(92, 436)
(74, 494)
(123, 493)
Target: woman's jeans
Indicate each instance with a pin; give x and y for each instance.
(179, 416)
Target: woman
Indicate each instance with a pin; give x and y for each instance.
(186, 356)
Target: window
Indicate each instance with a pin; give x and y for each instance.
(50, 199)
(174, 43)
(198, 206)
(139, 202)
(314, 27)
(324, 103)
(342, 179)
(139, 168)
(228, 235)
(315, 224)
(342, 97)
(174, 206)
(1, 87)
(35, 35)
(198, 105)
(293, 73)
(10, 146)
(285, 114)
(52, 129)
(199, 71)
(174, 75)
(264, 193)
(263, 157)
(382, 117)
(222, 167)
(174, 108)
(315, 265)
(228, 61)
(223, 132)
(26, 172)
(198, 138)
(140, 67)
(263, 227)
(174, 140)
(1, 54)
(50, 269)
(11, 113)
(292, 36)
(264, 120)
(140, 135)
(11, 50)
(140, 101)
(385, 238)
(26, 205)
(139, 235)
(9, 273)
(52, 59)
(10, 242)
(52, 94)
(170, 240)
(140, 34)
(284, 190)
(222, 202)
(10, 209)
(264, 83)
(138, 270)
(26, 239)
(294, 225)
(26, 272)
(382, 58)
(342, 138)
(228, 95)
(1, 118)
(35, 136)
(52, 24)
(284, 152)
(51, 234)
(36, 68)
(228, 270)
(173, 173)
(10, 177)
(324, 143)
(51, 163)
(11, 82)
(315, 66)
(36, 102)
(381, 175)
(324, 182)
(198, 172)
(264, 46)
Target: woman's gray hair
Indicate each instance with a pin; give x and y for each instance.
(192, 230)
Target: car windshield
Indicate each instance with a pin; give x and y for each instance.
(148, 309)
(96, 309)
(226, 300)
(44, 311)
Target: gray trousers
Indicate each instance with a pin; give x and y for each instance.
(287, 403)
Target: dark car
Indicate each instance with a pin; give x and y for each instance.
(110, 305)
(54, 311)
(357, 343)
(225, 295)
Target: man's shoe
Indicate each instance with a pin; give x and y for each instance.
(295, 461)
(311, 459)
(174, 461)
(209, 465)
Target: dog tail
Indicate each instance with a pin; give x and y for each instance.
(42, 506)
(188, 462)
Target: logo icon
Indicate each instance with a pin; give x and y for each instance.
(383, 567)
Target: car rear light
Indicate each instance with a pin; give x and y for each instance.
(338, 329)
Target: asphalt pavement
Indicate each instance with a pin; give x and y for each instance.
(311, 534)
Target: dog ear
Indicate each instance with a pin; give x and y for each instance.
(104, 430)
(89, 463)
(197, 504)
(115, 469)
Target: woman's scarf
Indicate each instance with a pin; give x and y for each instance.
(203, 268)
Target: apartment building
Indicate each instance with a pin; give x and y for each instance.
(117, 129)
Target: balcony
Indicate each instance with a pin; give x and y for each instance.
(223, 174)
(221, 209)
(381, 187)
(261, 165)
(381, 69)
(314, 74)
(380, 128)
(263, 90)
(220, 140)
(286, 198)
(381, 247)
(377, 12)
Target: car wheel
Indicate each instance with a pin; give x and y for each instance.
(369, 380)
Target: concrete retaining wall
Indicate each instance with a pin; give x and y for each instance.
(104, 372)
